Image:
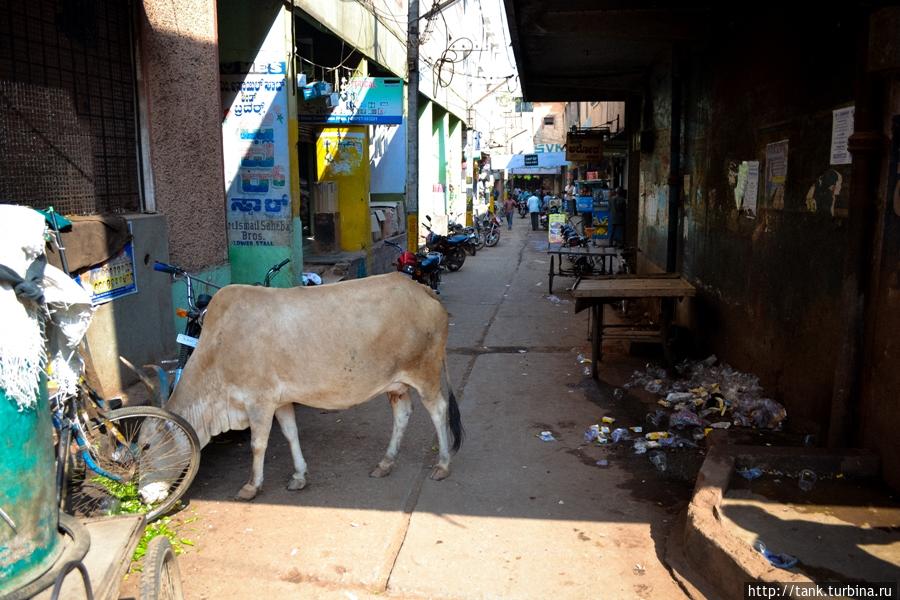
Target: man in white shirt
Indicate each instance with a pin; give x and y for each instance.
(534, 209)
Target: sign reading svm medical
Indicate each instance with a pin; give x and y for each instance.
(361, 101)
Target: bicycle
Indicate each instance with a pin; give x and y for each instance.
(138, 459)
(195, 313)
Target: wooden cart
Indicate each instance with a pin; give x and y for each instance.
(595, 293)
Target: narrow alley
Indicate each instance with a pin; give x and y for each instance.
(518, 517)
(654, 249)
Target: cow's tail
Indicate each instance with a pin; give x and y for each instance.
(456, 427)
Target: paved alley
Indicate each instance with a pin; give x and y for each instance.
(518, 518)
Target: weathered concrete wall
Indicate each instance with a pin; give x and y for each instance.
(770, 285)
(180, 76)
(880, 395)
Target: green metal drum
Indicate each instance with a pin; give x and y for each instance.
(27, 493)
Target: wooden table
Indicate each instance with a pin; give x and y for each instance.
(595, 293)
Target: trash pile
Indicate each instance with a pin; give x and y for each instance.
(707, 396)
(710, 394)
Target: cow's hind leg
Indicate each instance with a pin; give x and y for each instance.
(436, 404)
(260, 427)
(288, 422)
(402, 406)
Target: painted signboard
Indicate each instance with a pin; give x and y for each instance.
(555, 224)
(361, 101)
(584, 147)
(256, 154)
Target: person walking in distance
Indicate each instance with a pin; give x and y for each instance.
(618, 205)
(509, 208)
(534, 209)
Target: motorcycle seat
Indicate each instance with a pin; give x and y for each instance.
(458, 239)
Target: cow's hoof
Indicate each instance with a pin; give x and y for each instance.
(296, 484)
(439, 473)
(248, 492)
(381, 471)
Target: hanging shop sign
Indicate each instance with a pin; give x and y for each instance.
(531, 160)
(360, 101)
(584, 147)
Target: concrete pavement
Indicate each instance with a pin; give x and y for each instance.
(518, 517)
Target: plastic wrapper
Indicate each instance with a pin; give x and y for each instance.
(685, 418)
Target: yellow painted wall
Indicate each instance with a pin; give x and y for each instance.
(342, 155)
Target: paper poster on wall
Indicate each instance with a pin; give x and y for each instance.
(751, 187)
(555, 224)
(255, 147)
(112, 279)
(841, 130)
(776, 173)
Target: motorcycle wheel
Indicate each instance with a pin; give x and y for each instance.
(479, 241)
(493, 237)
(455, 259)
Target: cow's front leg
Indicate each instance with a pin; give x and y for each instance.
(260, 427)
(402, 406)
(288, 422)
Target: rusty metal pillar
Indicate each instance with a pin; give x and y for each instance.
(866, 145)
(674, 167)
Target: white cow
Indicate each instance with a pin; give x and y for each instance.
(330, 347)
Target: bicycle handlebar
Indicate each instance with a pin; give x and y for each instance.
(164, 268)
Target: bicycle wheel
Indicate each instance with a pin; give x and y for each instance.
(152, 455)
(160, 579)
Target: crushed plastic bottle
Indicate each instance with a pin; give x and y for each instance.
(640, 446)
(658, 458)
(676, 397)
(751, 473)
(655, 387)
(619, 435)
(592, 433)
(547, 436)
(782, 561)
(806, 480)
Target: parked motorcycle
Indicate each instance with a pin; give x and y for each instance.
(452, 247)
(474, 239)
(422, 267)
(492, 227)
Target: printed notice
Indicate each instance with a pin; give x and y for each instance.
(751, 187)
(776, 173)
(841, 130)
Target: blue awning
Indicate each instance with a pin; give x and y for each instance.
(549, 163)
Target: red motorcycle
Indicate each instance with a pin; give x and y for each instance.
(421, 267)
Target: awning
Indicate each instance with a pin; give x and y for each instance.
(549, 163)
